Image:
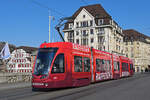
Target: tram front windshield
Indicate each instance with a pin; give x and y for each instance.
(44, 59)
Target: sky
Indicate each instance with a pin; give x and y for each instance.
(26, 22)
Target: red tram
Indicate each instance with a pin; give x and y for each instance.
(64, 64)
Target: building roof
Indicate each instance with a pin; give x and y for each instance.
(95, 10)
(13, 47)
(28, 49)
(135, 35)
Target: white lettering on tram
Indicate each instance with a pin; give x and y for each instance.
(125, 74)
(80, 48)
(103, 76)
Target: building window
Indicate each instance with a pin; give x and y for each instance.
(77, 24)
(104, 48)
(91, 22)
(84, 33)
(100, 21)
(71, 40)
(100, 30)
(77, 33)
(70, 35)
(81, 24)
(70, 25)
(132, 55)
(84, 41)
(77, 41)
(83, 16)
(119, 47)
(101, 39)
(116, 47)
(92, 40)
(85, 24)
(91, 31)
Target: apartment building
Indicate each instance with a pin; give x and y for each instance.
(137, 47)
(92, 26)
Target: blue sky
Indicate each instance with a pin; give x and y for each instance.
(25, 23)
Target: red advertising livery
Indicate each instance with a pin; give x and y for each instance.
(64, 64)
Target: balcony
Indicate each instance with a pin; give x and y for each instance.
(101, 39)
(85, 35)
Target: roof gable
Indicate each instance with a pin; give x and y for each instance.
(95, 10)
(85, 13)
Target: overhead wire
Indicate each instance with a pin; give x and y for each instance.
(44, 6)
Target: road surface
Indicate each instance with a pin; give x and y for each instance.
(132, 88)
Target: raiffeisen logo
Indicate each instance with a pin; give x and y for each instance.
(81, 48)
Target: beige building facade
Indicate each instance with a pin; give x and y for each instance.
(137, 47)
(92, 26)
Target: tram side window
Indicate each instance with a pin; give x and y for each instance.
(127, 69)
(116, 66)
(86, 64)
(78, 64)
(131, 66)
(108, 67)
(58, 66)
(124, 66)
(100, 65)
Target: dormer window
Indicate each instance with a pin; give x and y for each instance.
(100, 21)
